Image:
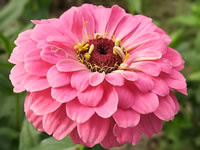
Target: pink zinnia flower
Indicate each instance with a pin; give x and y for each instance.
(97, 74)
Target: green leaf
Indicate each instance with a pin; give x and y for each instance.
(135, 6)
(10, 13)
(194, 76)
(53, 144)
(8, 132)
(29, 136)
(189, 20)
(6, 43)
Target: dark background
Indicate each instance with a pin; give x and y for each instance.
(179, 18)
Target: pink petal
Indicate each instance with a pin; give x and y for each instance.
(148, 67)
(126, 118)
(163, 35)
(160, 87)
(17, 76)
(151, 124)
(116, 15)
(145, 103)
(127, 24)
(78, 25)
(165, 65)
(91, 96)
(64, 94)
(35, 65)
(69, 65)
(140, 42)
(58, 124)
(63, 42)
(110, 140)
(78, 112)
(33, 118)
(56, 78)
(88, 17)
(53, 54)
(174, 57)
(128, 135)
(115, 78)
(23, 37)
(42, 31)
(35, 83)
(44, 21)
(101, 15)
(96, 78)
(129, 75)
(21, 50)
(145, 55)
(126, 96)
(75, 137)
(42, 103)
(80, 80)
(94, 130)
(108, 104)
(175, 80)
(144, 82)
(177, 107)
(155, 44)
(166, 109)
(144, 27)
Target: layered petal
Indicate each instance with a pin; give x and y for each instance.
(94, 130)
(160, 87)
(126, 96)
(17, 76)
(53, 54)
(101, 16)
(69, 65)
(36, 120)
(126, 118)
(34, 63)
(144, 82)
(148, 67)
(91, 96)
(42, 103)
(96, 78)
(108, 104)
(115, 79)
(150, 124)
(79, 112)
(63, 94)
(145, 103)
(110, 140)
(58, 123)
(80, 80)
(57, 78)
(35, 83)
(166, 109)
(116, 15)
(128, 135)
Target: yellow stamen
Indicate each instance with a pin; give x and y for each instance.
(81, 47)
(98, 35)
(88, 55)
(127, 55)
(91, 49)
(119, 51)
(117, 41)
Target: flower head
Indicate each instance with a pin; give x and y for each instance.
(97, 74)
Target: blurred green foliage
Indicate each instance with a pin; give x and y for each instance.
(183, 25)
